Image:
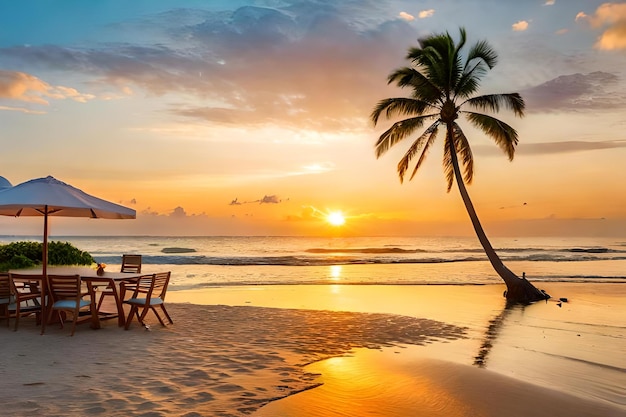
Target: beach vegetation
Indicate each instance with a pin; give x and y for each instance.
(25, 254)
(444, 79)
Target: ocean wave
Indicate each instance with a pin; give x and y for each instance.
(495, 281)
(295, 260)
(398, 250)
(365, 250)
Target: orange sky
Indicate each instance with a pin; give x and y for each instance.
(234, 120)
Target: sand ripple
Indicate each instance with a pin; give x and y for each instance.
(215, 360)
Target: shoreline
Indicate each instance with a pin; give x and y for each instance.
(239, 351)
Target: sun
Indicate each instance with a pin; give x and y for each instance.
(336, 218)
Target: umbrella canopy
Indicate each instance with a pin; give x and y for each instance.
(51, 197)
(4, 183)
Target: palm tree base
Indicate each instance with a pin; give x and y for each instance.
(520, 290)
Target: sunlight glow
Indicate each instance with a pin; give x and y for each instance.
(336, 218)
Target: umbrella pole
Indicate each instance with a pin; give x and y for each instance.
(44, 252)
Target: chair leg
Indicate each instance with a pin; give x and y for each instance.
(17, 315)
(47, 319)
(166, 314)
(133, 311)
(102, 295)
(74, 320)
(157, 315)
(5, 310)
(100, 300)
(144, 313)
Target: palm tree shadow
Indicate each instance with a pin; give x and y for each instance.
(493, 330)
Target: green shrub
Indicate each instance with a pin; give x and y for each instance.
(66, 254)
(18, 255)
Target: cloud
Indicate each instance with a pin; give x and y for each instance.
(307, 213)
(209, 58)
(611, 18)
(426, 13)
(520, 26)
(21, 110)
(178, 212)
(23, 87)
(552, 148)
(406, 16)
(568, 147)
(60, 93)
(549, 3)
(576, 92)
(20, 86)
(267, 199)
(270, 199)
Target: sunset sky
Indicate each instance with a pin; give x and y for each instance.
(252, 117)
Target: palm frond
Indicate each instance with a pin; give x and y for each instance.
(399, 106)
(432, 132)
(464, 151)
(456, 66)
(435, 57)
(397, 132)
(480, 58)
(423, 88)
(503, 134)
(493, 102)
(483, 52)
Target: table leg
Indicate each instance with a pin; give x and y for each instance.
(119, 304)
(95, 320)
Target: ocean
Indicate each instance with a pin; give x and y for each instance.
(201, 262)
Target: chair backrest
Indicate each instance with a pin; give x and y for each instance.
(5, 287)
(154, 285)
(161, 281)
(64, 287)
(131, 263)
(34, 283)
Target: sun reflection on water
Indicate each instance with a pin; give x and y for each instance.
(335, 272)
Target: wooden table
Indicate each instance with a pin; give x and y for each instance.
(109, 279)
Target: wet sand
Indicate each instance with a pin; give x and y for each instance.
(333, 351)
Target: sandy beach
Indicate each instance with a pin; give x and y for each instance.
(324, 350)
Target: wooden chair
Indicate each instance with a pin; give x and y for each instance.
(68, 296)
(6, 296)
(148, 293)
(30, 296)
(130, 264)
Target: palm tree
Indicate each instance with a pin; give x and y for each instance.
(443, 83)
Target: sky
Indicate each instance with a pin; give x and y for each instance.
(252, 117)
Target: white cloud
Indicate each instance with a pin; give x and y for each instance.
(60, 93)
(520, 26)
(549, 3)
(406, 16)
(426, 13)
(581, 16)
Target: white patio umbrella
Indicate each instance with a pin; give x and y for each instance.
(51, 197)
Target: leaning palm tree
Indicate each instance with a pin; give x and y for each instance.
(442, 83)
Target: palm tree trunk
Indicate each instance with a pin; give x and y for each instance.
(518, 289)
